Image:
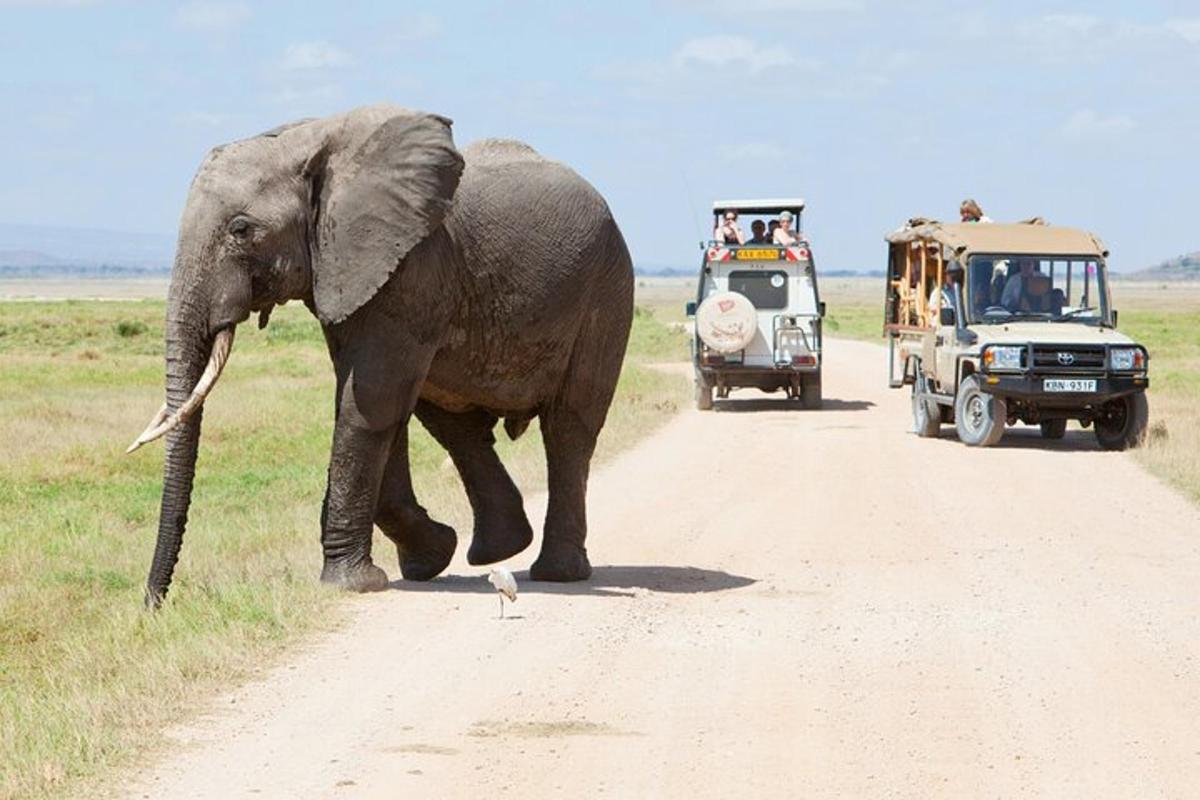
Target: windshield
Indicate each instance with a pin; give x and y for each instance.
(754, 227)
(1002, 288)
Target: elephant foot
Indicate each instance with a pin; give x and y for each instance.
(561, 562)
(360, 577)
(496, 542)
(426, 550)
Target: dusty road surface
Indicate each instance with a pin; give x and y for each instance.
(785, 604)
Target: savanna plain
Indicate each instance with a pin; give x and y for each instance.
(87, 677)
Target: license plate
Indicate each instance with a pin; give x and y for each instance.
(759, 254)
(1068, 385)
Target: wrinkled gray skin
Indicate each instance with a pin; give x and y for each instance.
(463, 294)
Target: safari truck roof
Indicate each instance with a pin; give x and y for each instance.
(1032, 238)
(770, 205)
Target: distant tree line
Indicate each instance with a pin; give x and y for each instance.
(82, 271)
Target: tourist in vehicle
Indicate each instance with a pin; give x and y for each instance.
(1015, 286)
(783, 234)
(970, 211)
(945, 293)
(758, 232)
(772, 226)
(728, 231)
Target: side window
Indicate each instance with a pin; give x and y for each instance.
(765, 289)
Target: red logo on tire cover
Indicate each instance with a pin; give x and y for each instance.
(725, 305)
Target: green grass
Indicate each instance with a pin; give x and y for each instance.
(85, 673)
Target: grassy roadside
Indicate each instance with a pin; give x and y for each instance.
(1163, 317)
(86, 677)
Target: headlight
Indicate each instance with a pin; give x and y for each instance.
(1124, 359)
(1003, 357)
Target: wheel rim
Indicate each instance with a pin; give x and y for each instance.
(976, 413)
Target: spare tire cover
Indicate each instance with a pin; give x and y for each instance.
(726, 322)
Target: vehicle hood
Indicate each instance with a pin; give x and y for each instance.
(1047, 333)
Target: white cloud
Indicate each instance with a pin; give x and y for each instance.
(1188, 29)
(308, 56)
(211, 17)
(1088, 125)
(723, 51)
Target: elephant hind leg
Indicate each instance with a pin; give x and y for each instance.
(424, 545)
(570, 426)
(501, 528)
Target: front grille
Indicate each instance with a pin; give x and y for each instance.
(1069, 359)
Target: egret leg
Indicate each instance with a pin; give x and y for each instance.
(501, 605)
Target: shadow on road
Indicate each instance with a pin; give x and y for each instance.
(829, 404)
(1075, 441)
(606, 581)
(1031, 439)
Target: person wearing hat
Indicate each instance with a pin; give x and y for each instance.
(783, 234)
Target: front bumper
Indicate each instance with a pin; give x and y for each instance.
(1031, 388)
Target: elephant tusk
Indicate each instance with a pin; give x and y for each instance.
(162, 423)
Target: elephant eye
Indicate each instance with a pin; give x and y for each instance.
(240, 228)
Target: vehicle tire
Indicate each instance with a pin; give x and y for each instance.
(704, 393)
(1122, 422)
(810, 391)
(927, 417)
(979, 417)
(1054, 428)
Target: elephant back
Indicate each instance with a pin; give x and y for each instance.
(515, 208)
(487, 152)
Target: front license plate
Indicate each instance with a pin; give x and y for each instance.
(1068, 385)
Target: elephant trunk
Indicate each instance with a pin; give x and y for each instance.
(193, 362)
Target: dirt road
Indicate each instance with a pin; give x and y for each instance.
(785, 604)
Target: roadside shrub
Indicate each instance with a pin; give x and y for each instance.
(127, 328)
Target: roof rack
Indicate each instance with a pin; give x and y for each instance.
(769, 205)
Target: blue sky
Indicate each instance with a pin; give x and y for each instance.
(1085, 113)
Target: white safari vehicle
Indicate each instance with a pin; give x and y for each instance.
(757, 312)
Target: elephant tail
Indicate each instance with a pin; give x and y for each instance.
(515, 424)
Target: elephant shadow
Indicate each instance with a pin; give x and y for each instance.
(606, 581)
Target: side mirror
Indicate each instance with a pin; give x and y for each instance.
(946, 316)
(690, 308)
(821, 308)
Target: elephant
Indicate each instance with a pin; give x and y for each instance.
(459, 287)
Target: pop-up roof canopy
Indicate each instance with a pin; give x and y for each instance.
(1023, 238)
(770, 205)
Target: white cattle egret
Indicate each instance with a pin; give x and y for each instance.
(506, 586)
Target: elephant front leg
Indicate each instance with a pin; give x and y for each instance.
(424, 545)
(347, 517)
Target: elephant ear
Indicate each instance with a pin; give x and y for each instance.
(382, 184)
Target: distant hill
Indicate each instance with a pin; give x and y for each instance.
(40, 249)
(17, 259)
(1182, 268)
